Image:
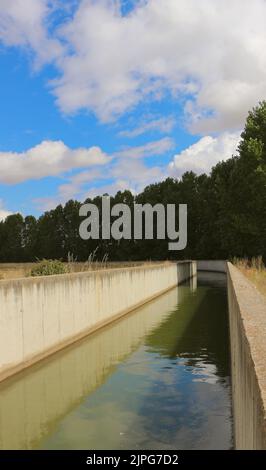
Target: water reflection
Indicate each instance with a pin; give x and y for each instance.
(158, 378)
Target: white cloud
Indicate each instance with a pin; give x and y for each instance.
(3, 212)
(122, 172)
(126, 172)
(49, 158)
(136, 173)
(24, 23)
(164, 125)
(108, 63)
(204, 154)
(75, 183)
(207, 56)
(202, 48)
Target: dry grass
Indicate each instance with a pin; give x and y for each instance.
(254, 270)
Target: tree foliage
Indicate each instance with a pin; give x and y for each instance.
(226, 213)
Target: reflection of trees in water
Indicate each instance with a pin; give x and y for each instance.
(197, 331)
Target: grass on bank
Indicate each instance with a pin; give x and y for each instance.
(49, 267)
(254, 270)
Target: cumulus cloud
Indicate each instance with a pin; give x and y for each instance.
(50, 158)
(204, 52)
(204, 49)
(24, 23)
(204, 154)
(3, 212)
(120, 174)
(208, 57)
(136, 173)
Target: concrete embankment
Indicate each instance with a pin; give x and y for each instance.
(247, 315)
(39, 316)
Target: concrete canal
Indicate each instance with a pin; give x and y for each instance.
(158, 378)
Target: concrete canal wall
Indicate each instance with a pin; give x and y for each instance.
(39, 316)
(247, 315)
(216, 266)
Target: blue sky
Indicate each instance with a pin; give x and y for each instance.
(107, 95)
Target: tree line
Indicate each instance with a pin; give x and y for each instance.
(226, 213)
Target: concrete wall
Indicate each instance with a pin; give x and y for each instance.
(39, 316)
(217, 266)
(33, 403)
(247, 314)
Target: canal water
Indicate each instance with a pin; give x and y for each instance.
(159, 378)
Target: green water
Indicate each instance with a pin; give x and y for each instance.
(157, 379)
